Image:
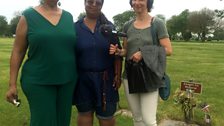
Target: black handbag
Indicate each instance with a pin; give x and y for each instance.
(140, 78)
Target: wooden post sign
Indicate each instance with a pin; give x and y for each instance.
(196, 87)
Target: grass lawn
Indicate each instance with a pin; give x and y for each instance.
(202, 62)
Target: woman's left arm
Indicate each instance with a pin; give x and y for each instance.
(165, 42)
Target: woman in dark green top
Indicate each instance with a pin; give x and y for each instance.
(49, 73)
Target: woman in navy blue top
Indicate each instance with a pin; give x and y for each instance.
(99, 72)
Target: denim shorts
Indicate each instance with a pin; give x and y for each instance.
(100, 113)
(89, 90)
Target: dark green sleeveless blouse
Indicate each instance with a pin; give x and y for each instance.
(51, 50)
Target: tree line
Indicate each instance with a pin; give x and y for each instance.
(202, 25)
(8, 30)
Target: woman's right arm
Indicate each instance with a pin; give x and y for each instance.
(120, 52)
(17, 56)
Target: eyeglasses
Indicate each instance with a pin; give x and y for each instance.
(94, 2)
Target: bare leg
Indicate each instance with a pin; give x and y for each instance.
(85, 119)
(107, 122)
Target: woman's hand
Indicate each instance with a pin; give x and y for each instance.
(11, 94)
(113, 49)
(136, 57)
(117, 82)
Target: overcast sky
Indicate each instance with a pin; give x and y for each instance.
(114, 7)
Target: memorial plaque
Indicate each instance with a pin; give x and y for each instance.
(196, 87)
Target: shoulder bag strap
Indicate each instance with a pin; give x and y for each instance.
(154, 33)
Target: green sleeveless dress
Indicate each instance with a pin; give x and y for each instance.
(51, 50)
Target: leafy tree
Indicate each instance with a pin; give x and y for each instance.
(201, 22)
(171, 27)
(219, 34)
(194, 23)
(178, 24)
(186, 35)
(13, 24)
(120, 19)
(219, 25)
(182, 21)
(3, 25)
(14, 21)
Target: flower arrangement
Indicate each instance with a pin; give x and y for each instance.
(188, 102)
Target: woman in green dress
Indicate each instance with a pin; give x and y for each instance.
(49, 73)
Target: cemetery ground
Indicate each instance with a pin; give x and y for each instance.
(200, 62)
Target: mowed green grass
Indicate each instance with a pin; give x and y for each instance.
(12, 116)
(202, 62)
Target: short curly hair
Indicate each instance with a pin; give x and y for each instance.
(149, 4)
